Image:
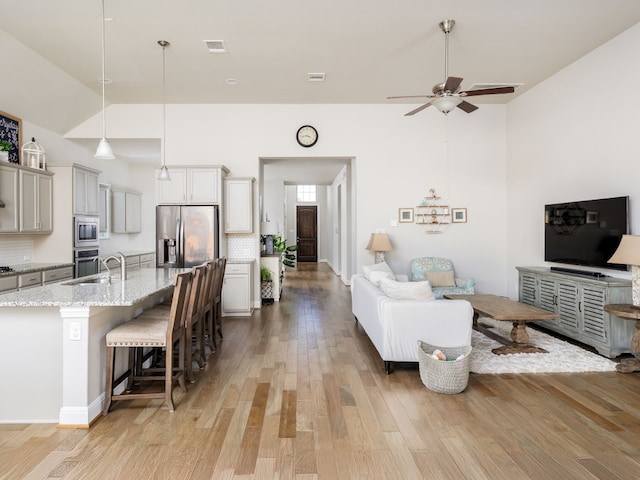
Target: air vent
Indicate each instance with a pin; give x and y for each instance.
(317, 77)
(478, 86)
(215, 46)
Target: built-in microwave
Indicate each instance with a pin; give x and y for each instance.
(85, 232)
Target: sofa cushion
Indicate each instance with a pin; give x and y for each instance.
(441, 279)
(374, 273)
(406, 290)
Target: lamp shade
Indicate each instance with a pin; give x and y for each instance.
(104, 151)
(379, 242)
(628, 251)
(269, 228)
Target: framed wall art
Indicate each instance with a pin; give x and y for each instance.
(11, 132)
(405, 215)
(459, 215)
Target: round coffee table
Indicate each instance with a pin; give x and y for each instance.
(628, 312)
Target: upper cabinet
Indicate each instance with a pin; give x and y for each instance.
(26, 200)
(127, 211)
(238, 205)
(104, 203)
(9, 201)
(191, 186)
(85, 191)
(36, 198)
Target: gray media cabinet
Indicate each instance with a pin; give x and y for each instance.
(579, 302)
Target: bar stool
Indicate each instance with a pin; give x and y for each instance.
(214, 310)
(154, 328)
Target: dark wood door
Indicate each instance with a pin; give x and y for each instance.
(307, 232)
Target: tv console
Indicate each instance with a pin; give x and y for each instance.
(579, 301)
(573, 271)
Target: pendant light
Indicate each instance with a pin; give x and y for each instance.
(164, 172)
(104, 149)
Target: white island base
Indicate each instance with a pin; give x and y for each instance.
(53, 359)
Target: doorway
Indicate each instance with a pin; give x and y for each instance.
(307, 233)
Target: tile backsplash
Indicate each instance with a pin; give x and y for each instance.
(241, 246)
(15, 249)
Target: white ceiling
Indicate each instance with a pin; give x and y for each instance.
(368, 49)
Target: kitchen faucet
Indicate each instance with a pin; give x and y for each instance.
(121, 261)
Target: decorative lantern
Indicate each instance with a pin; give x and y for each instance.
(33, 155)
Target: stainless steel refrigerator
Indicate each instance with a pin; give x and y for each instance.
(186, 235)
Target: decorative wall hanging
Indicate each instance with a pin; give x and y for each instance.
(459, 215)
(405, 215)
(433, 214)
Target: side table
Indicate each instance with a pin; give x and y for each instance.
(628, 312)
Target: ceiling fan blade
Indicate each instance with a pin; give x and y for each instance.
(452, 84)
(467, 107)
(488, 91)
(411, 96)
(419, 109)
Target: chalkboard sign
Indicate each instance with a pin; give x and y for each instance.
(11, 131)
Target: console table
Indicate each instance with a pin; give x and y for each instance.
(579, 302)
(628, 312)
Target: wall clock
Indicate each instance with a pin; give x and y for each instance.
(307, 136)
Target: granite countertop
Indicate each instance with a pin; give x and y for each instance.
(241, 260)
(126, 253)
(139, 285)
(34, 267)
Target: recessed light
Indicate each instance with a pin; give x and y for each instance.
(106, 81)
(231, 81)
(317, 77)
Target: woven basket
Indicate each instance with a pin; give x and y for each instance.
(444, 376)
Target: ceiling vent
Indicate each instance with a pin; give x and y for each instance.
(317, 77)
(215, 46)
(478, 86)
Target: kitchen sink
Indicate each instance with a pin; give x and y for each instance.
(89, 281)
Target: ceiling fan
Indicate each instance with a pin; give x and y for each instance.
(447, 96)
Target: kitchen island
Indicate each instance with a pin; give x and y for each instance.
(52, 363)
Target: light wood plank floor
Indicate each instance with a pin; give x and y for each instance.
(298, 392)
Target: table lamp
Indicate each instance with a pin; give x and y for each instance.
(379, 243)
(628, 252)
(268, 229)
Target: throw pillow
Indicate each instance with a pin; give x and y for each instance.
(406, 290)
(374, 273)
(441, 279)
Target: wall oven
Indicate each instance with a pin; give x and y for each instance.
(85, 232)
(86, 262)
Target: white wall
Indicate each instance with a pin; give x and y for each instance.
(574, 137)
(398, 159)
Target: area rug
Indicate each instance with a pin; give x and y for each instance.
(562, 356)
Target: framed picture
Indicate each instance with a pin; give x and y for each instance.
(592, 217)
(405, 215)
(11, 135)
(459, 215)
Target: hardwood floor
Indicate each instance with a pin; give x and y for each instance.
(299, 392)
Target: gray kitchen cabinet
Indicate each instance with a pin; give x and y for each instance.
(36, 201)
(238, 205)
(31, 279)
(126, 211)
(8, 284)
(85, 191)
(105, 210)
(148, 260)
(57, 274)
(9, 200)
(579, 302)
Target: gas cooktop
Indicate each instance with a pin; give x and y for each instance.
(6, 269)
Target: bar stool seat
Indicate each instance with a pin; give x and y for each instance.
(153, 329)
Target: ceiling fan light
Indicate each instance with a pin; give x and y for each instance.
(104, 151)
(446, 103)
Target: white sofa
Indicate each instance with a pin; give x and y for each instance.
(395, 326)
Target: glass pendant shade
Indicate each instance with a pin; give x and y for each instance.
(446, 103)
(104, 151)
(164, 174)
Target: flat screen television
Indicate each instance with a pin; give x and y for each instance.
(585, 233)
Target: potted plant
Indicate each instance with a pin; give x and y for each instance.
(5, 148)
(288, 252)
(266, 285)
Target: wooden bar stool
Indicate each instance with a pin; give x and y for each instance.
(154, 328)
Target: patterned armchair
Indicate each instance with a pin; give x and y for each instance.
(440, 273)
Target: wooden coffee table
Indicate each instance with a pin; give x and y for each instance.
(505, 310)
(628, 312)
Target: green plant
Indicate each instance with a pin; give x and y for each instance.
(265, 273)
(5, 146)
(288, 255)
